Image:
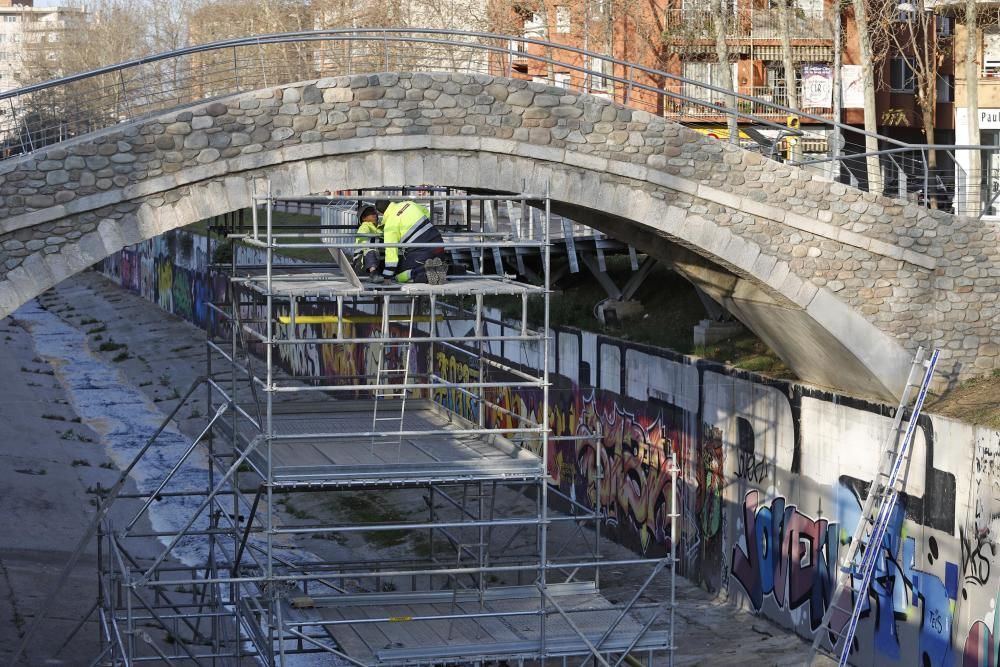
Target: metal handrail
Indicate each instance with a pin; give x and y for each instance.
(132, 93)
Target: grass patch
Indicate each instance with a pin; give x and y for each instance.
(107, 465)
(31, 471)
(89, 320)
(77, 463)
(975, 401)
(370, 507)
(121, 356)
(96, 330)
(111, 346)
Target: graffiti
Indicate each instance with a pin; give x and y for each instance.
(899, 591)
(711, 483)
(975, 561)
(786, 555)
(634, 491)
(452, 370)
(982, 644)
(711, 511)
(748, 466)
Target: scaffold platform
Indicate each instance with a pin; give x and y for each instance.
(313, 445)
(502, 624)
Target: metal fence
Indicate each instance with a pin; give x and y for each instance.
(46, 113)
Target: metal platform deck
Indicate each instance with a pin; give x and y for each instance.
(386, 629)
(307, 452)
(332, 285)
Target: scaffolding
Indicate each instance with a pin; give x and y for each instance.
(496, 575)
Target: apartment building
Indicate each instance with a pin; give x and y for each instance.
(679, 37)
(24, 28)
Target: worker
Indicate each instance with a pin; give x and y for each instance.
(407, 222)
(366, 262)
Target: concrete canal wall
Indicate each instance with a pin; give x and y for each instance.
(774, 473)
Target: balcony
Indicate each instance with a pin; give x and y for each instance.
(762, 107)
(746, 23)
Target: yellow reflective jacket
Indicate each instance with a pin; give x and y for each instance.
(405, 222)
(366, 228)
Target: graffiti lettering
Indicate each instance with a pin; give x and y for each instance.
(975, 562)
(748, 467)
(787, 555)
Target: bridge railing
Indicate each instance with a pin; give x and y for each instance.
(956, 178)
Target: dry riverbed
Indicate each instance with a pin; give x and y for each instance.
(53, 457)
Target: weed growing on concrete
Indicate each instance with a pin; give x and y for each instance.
(107, 465)
(97, 330)
(296, 512)
(77, 463)
(111, 346)
(31, 471)
(121, 356)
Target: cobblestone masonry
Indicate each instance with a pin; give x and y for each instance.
(867, 267)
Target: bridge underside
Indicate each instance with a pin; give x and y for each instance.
(808, 348)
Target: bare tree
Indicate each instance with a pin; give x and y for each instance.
(80, 39)
(873, 19)
(972, 103)
(916, 40)
(721, 17)
(788, 64)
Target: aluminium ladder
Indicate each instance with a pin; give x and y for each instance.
(384, 374)
(876, 516)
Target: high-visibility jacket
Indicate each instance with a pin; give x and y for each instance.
(406, 222)
(366, 228)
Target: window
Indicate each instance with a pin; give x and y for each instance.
(535, 27)
(562, 79)
(900, 75)
(945, 88)
(602, 70)
(562, 19)
(945, 25)
(10, 19)
(813, 9)
(710, 73)
(991, 50)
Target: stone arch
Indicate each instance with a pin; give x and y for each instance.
(781, 247)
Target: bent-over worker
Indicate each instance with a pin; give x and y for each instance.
(408, 222)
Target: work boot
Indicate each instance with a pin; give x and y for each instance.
(437, 271)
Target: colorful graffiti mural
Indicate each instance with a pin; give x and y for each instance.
(786, 555)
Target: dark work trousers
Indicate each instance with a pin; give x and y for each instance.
(411, 265)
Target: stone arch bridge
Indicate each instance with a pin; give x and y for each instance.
(842, 284)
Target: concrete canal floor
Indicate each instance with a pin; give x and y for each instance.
(56, 446)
